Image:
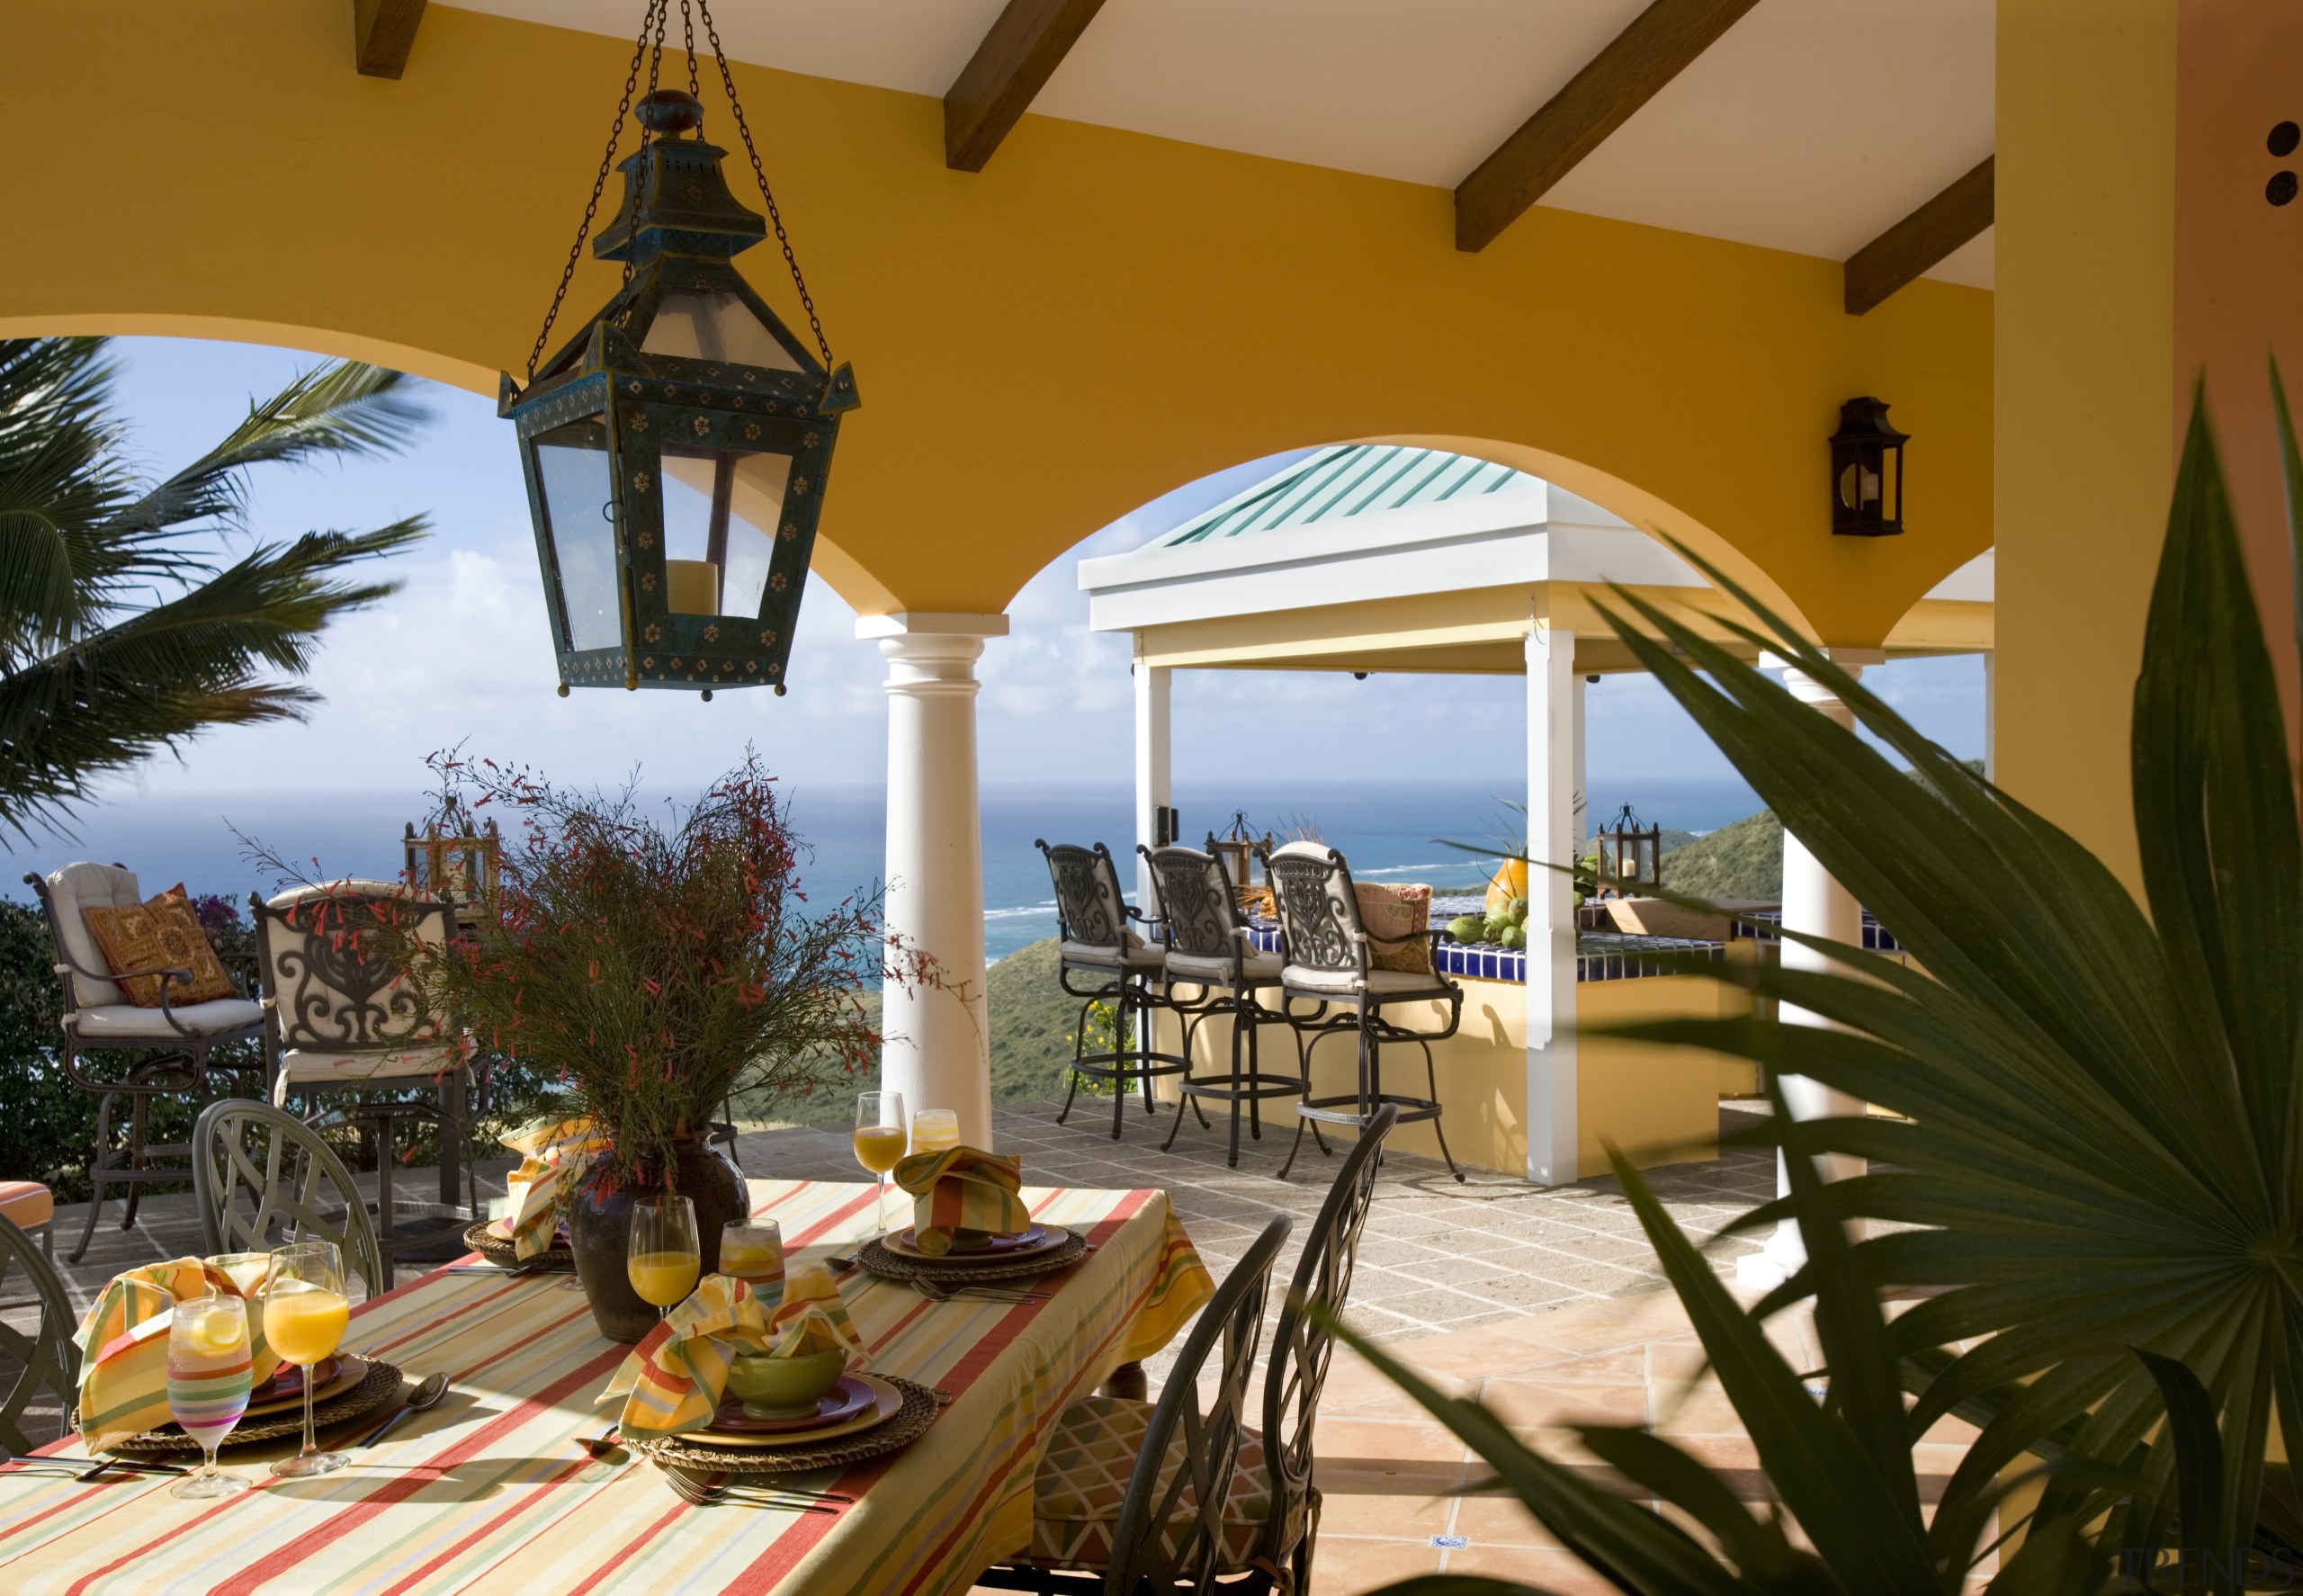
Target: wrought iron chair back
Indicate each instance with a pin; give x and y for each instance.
(1319, 915)
(1202, 915)
(1160, 1543)
(46, 1358)
(332, 986)
(1301, 1343)
(1089, 904)
(297, 1188)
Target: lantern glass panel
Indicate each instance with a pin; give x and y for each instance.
(574, 472)
(714, 327)
(696, 482)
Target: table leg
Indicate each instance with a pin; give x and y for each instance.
(1128, 1383)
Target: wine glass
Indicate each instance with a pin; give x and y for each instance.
(752, 1250)
(663, 1258)
(209, 1372)
(304, 1315)
(879, 1143)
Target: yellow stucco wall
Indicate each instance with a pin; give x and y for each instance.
(1096, 317)
(2085, 326)
(1659, 1104)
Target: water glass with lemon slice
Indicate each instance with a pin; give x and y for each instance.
(665, 1257)
(752, 1250)
(879, 1143)
(209, 1376)
(304, 1313)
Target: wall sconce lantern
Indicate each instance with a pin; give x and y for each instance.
(1631, 857)
(675, 449)
(1867, 471)
(455, 860)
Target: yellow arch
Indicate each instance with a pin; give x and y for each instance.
(1096, 318)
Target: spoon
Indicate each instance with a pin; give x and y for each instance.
(602, 1446)
(428, 1391)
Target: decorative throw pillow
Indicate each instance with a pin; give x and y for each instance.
(1396, 920)
(163, 931)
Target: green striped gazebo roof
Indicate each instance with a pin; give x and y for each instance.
(1348, 480)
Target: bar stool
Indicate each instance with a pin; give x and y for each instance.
(1210, 946)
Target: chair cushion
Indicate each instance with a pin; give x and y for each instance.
(1259, 966)
(1138, 954)
(27, 1203)
(1076, 1493)
(164, 931)
(127, 1023)
(80, 885)
(307, 1067)
(1395, 918)
(1376, 983)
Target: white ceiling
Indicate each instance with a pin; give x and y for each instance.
(1811, 125)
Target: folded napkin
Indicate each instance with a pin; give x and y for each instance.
(554, 1154)
(124, 1341)
(961, 1188)
(812, 1318)
(674, 1380)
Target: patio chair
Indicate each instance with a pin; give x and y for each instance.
(1120, 968)
(45, 1358)
(342, 1019)
(261, 1178)
(1135, 1498)
(1332, 964)
(177, 1045)
(1209, 947)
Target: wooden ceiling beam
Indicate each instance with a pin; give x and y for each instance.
(1660, 44)
(1009, 68)
(1920, 240)
(382, 33)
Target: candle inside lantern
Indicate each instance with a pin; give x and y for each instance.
(691, 587)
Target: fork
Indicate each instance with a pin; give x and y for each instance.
(936, 1292)
(706, 1493)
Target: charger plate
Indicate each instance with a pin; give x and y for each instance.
(1024, 1243)
(344, 1371)
(885, 1403)
(380, 1385)
(971, 1268)
(483, 1239)
(916, 1410)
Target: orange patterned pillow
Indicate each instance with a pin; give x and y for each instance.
(1396, 920)
(165, 932)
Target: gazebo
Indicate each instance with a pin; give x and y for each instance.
(1376, 557)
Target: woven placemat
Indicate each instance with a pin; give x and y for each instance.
(906, 1425)
(496, 1249)
(381, 1386)
(880, 1258)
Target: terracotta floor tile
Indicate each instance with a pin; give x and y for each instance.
(1499, 1519)
(1560, 1573)
(1534, 1403)
(1414, 1505)
(1383, 1444)
(1343, 1565)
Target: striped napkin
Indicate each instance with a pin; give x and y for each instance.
(124, 1341)
(554, 1155)
(812, 1318)
(962, 1189)
(675, 1378)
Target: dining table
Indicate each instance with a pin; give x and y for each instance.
(492, 1489)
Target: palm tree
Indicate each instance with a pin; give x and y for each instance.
(121, 634)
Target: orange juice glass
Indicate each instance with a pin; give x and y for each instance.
(305, 1312)
(879, 1143)
(664, 1256)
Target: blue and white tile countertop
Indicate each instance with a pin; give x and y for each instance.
(1600, 956)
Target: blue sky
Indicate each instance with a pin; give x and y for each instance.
(462, 653)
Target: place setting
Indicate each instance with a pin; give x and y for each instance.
(970, 1232)
(529, 1236)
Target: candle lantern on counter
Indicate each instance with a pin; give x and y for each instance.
(1235, 851)
(677, 448)
(1631, 857)
(455, 860)
(1867, 471)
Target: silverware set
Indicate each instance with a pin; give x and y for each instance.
(701, 1489)
(936, 1291)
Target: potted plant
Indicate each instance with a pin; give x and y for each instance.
(651, 972)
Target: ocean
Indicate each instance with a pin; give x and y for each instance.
(1387, 829)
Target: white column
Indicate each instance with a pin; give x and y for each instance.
(1582, 801)
(1815, 902)
(1153, 790)
(1991, 714)
(936, 1047)
(1553, 695)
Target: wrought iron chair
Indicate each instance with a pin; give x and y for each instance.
(177, 1043)
(1331, 964)
(45, 1361)
(1133, 1498)
(263, 1178)
(342, 1018)
(1209, 948)
(1101, 948)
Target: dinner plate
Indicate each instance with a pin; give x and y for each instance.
(1002, 1249)
(286, 1382)
(350, 1371)
(847, 1398)
(886, 1400)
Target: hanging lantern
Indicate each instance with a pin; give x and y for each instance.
(1867, 471)
(1631, 857)
(676, 447)
(1235, 854)
(454, 860)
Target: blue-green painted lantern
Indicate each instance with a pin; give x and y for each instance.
(677, 449)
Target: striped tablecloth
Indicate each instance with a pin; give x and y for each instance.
(488, 1492)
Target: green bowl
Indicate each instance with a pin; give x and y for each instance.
(785, 1387)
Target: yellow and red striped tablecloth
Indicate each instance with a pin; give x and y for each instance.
(488, 1492)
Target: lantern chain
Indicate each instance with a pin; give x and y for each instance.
(651, 22)
(743, 129)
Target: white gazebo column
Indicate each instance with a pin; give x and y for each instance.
(1816, 903)
(1991, 714)
(1153, 790)
(1555, 697)
(936, 1048)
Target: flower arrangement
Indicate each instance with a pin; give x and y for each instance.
(651, 970)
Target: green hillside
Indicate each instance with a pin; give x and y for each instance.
(1743, 860)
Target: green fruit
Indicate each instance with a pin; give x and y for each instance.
(1493, 930)
(1465, 928)
(1513, 937)
(1518, 911)
(1519, 918)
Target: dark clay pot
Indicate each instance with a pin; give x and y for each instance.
(599, 1232)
